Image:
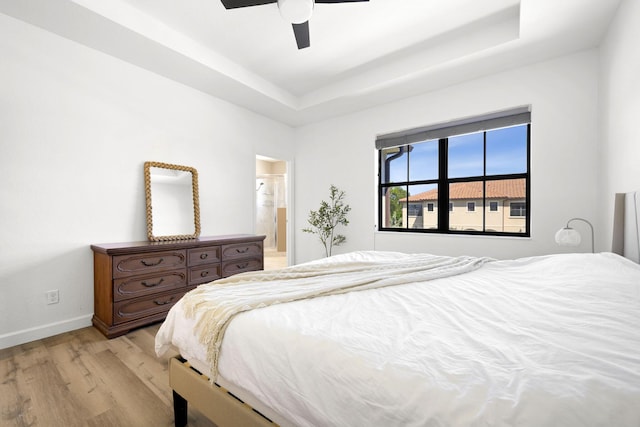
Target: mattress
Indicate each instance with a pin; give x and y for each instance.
(550, 340)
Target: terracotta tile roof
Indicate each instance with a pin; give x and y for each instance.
(503, 189)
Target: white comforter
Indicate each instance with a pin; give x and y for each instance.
(544, 341)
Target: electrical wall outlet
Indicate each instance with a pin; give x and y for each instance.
(53, 297)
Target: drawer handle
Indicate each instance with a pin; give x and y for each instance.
(151, 285)
(151, 264)
(158, 302)
(242, 251)
(204, 273)
(241, 266)
(204, 256)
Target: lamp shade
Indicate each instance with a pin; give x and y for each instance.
(568, 237)
(296, 11)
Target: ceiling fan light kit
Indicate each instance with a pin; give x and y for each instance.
(296, 12)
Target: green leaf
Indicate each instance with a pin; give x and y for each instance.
(330, 215)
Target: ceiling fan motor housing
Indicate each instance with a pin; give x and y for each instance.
(296, 11)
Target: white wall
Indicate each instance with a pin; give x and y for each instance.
(620, 110)
(563, 94)
(75, 129)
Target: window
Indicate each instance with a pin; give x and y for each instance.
(518, 209)
(415, 209)
(470, 165)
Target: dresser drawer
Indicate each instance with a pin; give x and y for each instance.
(204, 255)
(230, 268)
(150, 262)
(204, 274)
(138, 286)
(242, 250)
(133, 309)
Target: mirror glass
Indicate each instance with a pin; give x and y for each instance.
(172, 201)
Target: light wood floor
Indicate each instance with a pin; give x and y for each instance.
(274, 260)
(82, 379)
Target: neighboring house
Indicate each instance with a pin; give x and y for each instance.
(505, 209)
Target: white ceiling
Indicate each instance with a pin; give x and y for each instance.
(362, 53)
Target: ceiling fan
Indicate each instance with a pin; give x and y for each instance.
(297, 12)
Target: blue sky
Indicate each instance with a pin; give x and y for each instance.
(506, 154)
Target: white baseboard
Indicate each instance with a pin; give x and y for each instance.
(44, 331)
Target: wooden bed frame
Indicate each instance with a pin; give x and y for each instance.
(215, 402)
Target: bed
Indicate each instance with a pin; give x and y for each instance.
(550, 340)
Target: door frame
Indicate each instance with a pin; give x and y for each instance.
(288, 198)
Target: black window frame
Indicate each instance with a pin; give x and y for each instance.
(443, 182)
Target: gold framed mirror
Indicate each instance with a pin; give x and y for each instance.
(173, 210)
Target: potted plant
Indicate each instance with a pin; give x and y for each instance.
(324, 221)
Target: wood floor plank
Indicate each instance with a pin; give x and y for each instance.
(109, 418)
(15, 396)
(77, 369)
(142, 405)
(80, 378)
(15, 401)
(145, 339)
(146, 368)
(57, 406)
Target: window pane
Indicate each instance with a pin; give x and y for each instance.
(510, 214)
(423, 161)
(466, 155)
(393, 201)
(463, 195)
(394, 165)
(518, 209)
(423, 206)
(507, 150)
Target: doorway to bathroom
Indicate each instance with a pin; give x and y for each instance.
(271, 210)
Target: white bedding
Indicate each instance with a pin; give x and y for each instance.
(540, 341)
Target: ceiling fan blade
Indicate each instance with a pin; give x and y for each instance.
(233, 4)
(338, 1)
(302, 34)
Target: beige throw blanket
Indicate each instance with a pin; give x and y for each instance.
(217, 302)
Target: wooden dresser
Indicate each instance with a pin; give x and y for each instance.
(136, 283)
